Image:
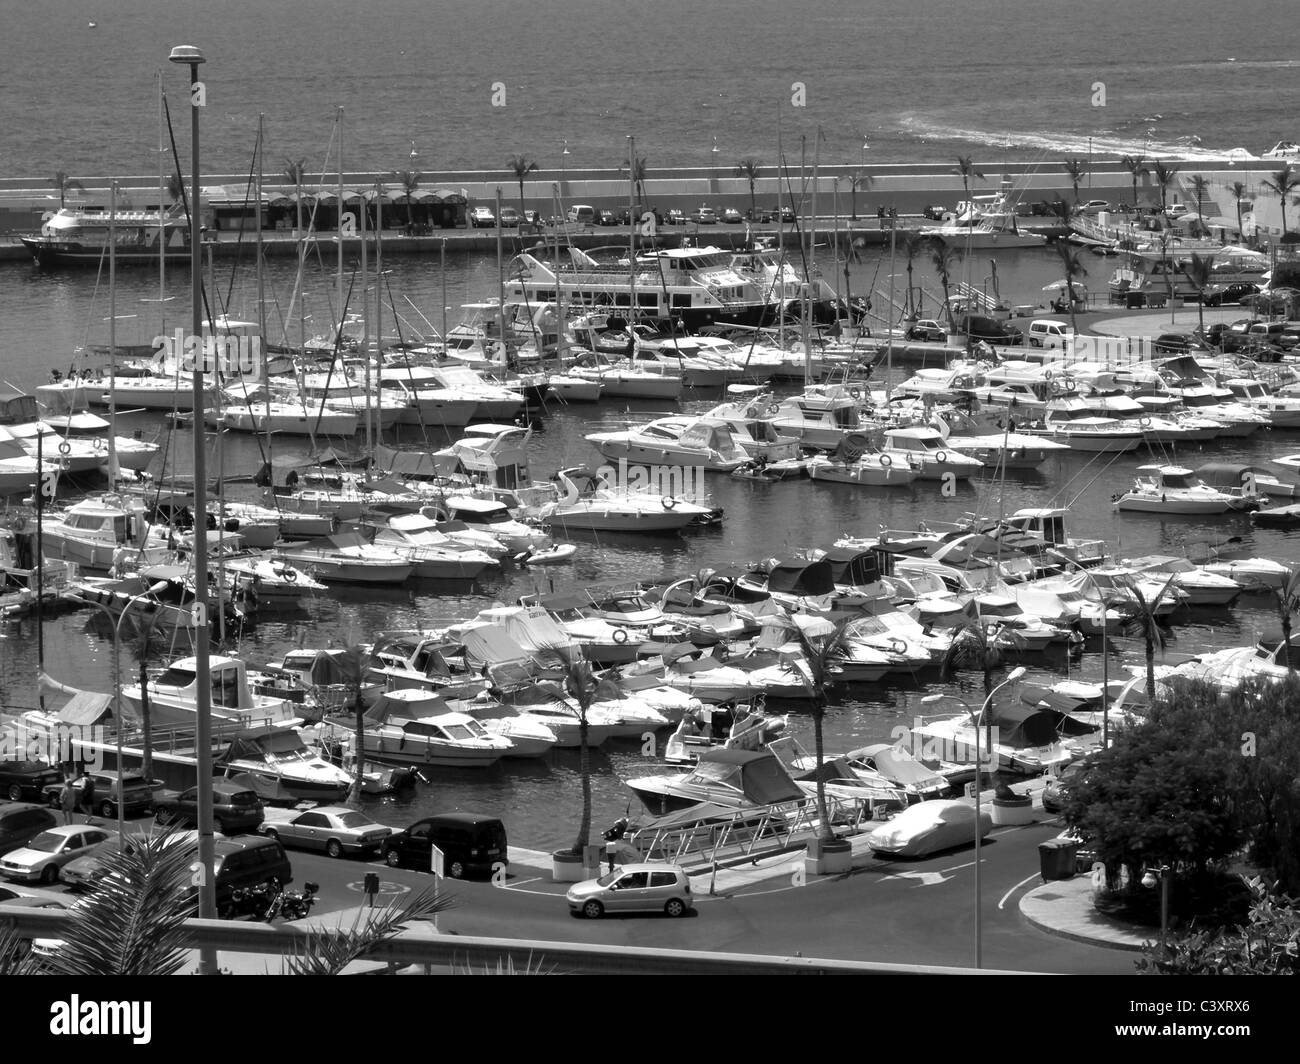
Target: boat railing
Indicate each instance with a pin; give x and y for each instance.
(744, 832)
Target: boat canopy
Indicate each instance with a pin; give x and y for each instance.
(899, 766)
(1228, 474)
(758, 774)
(853, 566)
(491, 644)
(1021, 726)
(388, 709)
(801, 577)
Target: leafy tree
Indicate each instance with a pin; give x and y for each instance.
(1284, 184)
(1267, 944)
(1136, 165)
(1200, 271)
(1164, 176)
(294, 171)
(63, 184)
(859, 180)
(1239, 192)
(521, 166)
(750, 168)
(1076, 170)
(409, 180)
(945, 260)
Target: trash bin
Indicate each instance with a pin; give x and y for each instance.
(1056, 858)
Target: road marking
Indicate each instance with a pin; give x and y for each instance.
(926, 879)
(520, 883)
(1027, 879)
(385, 887)
(954, 868)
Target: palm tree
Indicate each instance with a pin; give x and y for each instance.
(820, 653)
(1284, 184)
(1073, 268)
(174, 188)
(1136, 165)
(973, 647)
(580, 683)
(911, 243)
(749, 168)
(1163, 175)
(1146, 624)
(353, 661)
(1200, 186)
(858, 180)
(64, 184)
(945, 260)
(1076, 170)
(294, 171)
(522, 166)
(1288, 604)
(409, 180)
(1239, 193)
(638, 175)
(1200, 272)
(966, 170)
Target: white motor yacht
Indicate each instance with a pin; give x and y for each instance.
(1175, 490)
(675, 441)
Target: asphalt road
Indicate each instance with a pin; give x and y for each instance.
(913, 912)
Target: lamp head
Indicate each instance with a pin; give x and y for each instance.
(186, 53)
(1016, 673)
(1148, 879)
(929, 699)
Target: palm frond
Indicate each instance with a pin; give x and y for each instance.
(327, 951)
(531, 966)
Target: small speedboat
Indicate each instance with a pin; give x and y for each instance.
(1170, 490)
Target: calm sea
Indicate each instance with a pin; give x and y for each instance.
(923, 81)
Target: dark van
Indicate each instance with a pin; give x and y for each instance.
(248, 861)
(471, 843)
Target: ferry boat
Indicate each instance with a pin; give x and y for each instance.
(697, 285)
(76, 237)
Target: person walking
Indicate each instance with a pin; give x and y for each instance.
(87, 794)
(68, 799)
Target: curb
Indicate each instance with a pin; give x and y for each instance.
(1131, 945)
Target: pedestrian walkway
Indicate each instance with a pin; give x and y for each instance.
(1064, 908)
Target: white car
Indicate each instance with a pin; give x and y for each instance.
(482, 218)
(1094, 205)
(929, 827)
(655, 888)
(49, 851)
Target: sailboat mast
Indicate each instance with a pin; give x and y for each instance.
(112, 334)
(264, 373)
(365, 324)
(501, 287)
(162, 228)
(339, 280)
(631, 244)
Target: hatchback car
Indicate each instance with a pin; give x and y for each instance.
(84, 872)
(1216, 295)
(927, 329)
(235, 807)
(634, 888)
(704, 216)
(482, 218)
(49, 851)
(731, 216)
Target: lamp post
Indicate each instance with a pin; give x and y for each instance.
(189, 55)
(564, 165)
(862, 155)
(1164, 873)
(1014, 675)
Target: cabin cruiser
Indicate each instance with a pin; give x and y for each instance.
(434, 554)
(733, 779)
(493, 517)
(1071, 423)
(822, 417)
(89, 533)
(750, 413)
(416, 727)
(1283, 411)
(1006, 449)
(675, 441)
(277, 763)
(346, 558)
(876, 469)
(926, 450)
(19, 470)
(621, 379)
(1203, 587)
(588, 503)
(1171, 489)
(173, 696)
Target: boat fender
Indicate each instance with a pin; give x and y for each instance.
(669, 503)
(620, 636)
(774, 408)
(65, 448)
(942, 456)
(886, 461)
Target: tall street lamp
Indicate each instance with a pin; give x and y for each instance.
(189, 55)
(564, 163)
(1014, 675)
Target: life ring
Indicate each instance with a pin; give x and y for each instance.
(1145, 422)
(855, 393)
(774, 408)
(897, 646)
(669, 503)
(620, 636)
(100, 443)
(886, 461)
(1048, 374)
(65, 448)
(290, 575)
(1069, 384)
(941, 456)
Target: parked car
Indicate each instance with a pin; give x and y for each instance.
(731, 216)
(509, 218)
(1053, 793)
(1172, 344)
(33, 898)
(22, 821)
(248, 861)
(928, 329)
(334, 829)
(532, 218)
(980, 327)
(674, 217)
(470, 843)
(606, 217)
(22, 780)
(1093, 206)
(1216, 295)
(235, 807)
(83, 872)
(137, 793)
(1275, 301)
(929, 827)
(704, 216)
(482, 218)
(633, 888)
(49, 851)
(935, 211)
